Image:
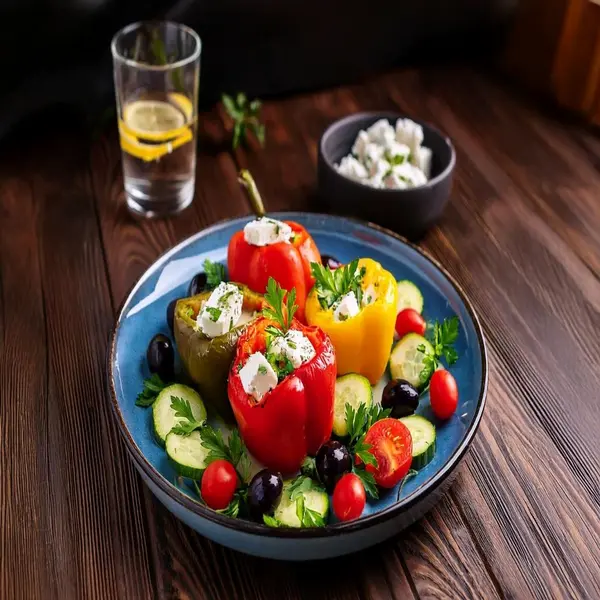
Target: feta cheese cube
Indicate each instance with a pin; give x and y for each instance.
(369, 295)
(394, 182)
(381, 132)
(294, 346)
(221, 312)
(360, 144)
(258, 376)
(373, 154)
(410, 133)
(396, 153)
(346, 308)
(413, 176)
(351, 168)
(422, 160)
(265, 231)
(378, 171)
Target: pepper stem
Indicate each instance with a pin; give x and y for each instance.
(247, 182)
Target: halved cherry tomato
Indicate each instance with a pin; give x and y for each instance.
(218, 484)
(349, 497)
(410, 321)
(443, 394)
(391, 445)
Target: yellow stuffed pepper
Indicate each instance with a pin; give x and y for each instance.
(356, 306)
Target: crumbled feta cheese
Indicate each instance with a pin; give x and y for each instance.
(295, 346)
(346, 308)
(381, 149)
(369, 295)
(258, 376)
(381, 132)
(265, 231)
(352, 169)
(221, 312)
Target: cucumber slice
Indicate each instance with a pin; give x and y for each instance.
(187, 454)
(409, 296)
(316, 499)
(350, 389)
(163, 416)
(422, 432)
(406, 362)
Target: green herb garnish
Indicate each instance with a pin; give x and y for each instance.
(246, 116)
(183, 410)
(271, 521)
(444, 337)
(152, 387)
(262, 369)
(276, 311)
(307, 516)
(215, 273)
(332, 285)
(233, 450)
(213, 312)
(368, 481)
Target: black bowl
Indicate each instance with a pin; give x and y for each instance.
(409, 212)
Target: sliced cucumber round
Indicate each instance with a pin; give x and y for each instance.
(163, 416)
(315, 499)
(422, 432)
(187, 454)
(407, 361)
(350, 389)
(409, 296)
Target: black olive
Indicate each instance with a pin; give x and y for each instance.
(401, 397)
(171, 313)
(330, 261)
(161, 358)
(263, 492)
(333, 460)
(197, 284)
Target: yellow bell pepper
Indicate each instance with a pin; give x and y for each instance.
(363, 342)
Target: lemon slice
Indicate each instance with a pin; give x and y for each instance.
(147, 118)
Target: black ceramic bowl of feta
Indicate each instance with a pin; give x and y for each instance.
(401, 181)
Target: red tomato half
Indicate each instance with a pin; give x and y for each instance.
(349, 497)
(443, 394)
(218, 484)
(391, 445)
(410, 321)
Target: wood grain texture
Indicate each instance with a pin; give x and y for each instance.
(521, 235)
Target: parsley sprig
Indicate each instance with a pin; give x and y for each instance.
(332, 285)
(246, 117)
(215, 273)
(444, 336)
(152, 387)
(277, 310)
(183, 411)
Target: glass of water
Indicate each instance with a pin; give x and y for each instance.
(156, 69)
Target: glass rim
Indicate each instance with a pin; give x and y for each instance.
(117, 56)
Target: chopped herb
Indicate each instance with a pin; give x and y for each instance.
(332, 285)
(292, 345)
(223, 299)
(214, 313)
(215, 273)
(262, 370)
(282, 365)
(342, 317)
(152, 387)
(239, 367)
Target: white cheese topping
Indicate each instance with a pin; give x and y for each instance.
(258, 376)
(346, 307)
(265, 231)
(369, 295)
(295, 346)
(389, 157)
(221, 312)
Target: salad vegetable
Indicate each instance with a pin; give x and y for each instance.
(356, 306)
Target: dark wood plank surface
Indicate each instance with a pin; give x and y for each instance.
(521, 234)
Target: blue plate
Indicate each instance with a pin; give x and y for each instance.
(144, 314)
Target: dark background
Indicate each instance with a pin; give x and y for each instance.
(56, 52)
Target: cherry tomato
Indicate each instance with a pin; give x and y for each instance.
(391, 445)
(349, 497)
(410, 321)
(218, 484)
(443, 394)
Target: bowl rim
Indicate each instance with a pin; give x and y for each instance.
(251, 527)
(345, 121)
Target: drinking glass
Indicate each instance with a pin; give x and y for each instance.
(156, 70)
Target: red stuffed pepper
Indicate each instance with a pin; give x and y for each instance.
(271, 248)
(282, 386)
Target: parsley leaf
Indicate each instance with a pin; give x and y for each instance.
(233, 508)
(307, 516)
(188, 312)
(368, 481)
(309, 467)
(332, 285)
(282, 365)
(301, 484)
(233, 450)
(360, 420)
(215, 273)
(275, 310)
(183, 410)
(152, 387)
(246, 116)
(271, 521)
(214, 313)
(444, 336)
(362, 450)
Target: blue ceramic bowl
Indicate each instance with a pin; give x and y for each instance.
(144, 314)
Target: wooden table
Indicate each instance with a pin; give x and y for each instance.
(521, 234)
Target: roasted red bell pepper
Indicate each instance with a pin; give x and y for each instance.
(294, 419)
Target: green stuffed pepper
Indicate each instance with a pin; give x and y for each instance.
(207, 360)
